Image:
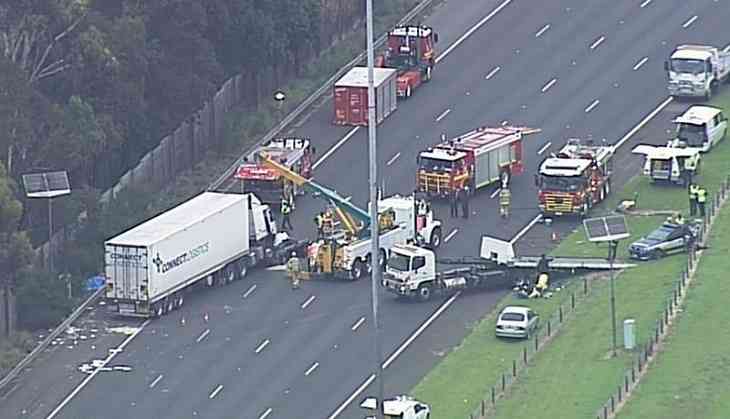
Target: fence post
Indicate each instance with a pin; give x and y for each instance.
(661, 325)
(549, 329)
(613, 404)
(560, 313)
(585, 286)
(536, 344)
(572, 300)
(605, 412)
(640, 365)
(626, 382)
(620, 393)
(494, 396)
(514, 368)
(484, 407)
(524, 354)
(504, 383)
(633, 373)
(676, 299)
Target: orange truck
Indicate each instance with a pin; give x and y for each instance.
(574, 179)
(410, 50)
(476, 159)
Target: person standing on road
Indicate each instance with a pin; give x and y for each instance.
(454, 201)
(293, 269)
(504, 201)
(465, 202)
(701, 199)
(286, 214)
(693, 199)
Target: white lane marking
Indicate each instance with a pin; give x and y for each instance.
(496, 191)
(598, 42)
(157, 380)
(726, 49)
(443, 115)
(542, 31)
(473, 29)
(545, 147)
(358, 324)
(491, 74)
(311, 369)
(451, 235)
(505, 122)
(203, 335)
(640, 63)
(689, 22)
(250, 290)
(644, 121)
(395, 354)
(308, 302)
(645, 3)
(592, 105)
(525, 229)
(335, 147)
(88, 378)
(266, 413)
(262, 346)
(216, 391)
(394, 158)
(549, 85)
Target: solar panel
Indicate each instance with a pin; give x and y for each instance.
(46, 185)
(601, 229)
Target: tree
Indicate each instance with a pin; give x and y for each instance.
(16, 252)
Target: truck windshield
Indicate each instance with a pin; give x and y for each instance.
(402, 61)
(562, 183)
(399, 262)
(693, 135)
(435, 165)
(687, 66)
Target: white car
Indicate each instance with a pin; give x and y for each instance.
(516, 322)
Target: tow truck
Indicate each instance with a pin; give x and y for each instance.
(294, 153)
(574, 179)
(674, 162)
(346, 253)
(411, 270)
(697, 70)
(410, 50)
(476, 159)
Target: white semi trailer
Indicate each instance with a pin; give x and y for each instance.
(212, 239)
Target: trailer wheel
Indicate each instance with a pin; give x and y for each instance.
(229, 273)
(242, 269)
(170, 305)
(429, 70)
(424, 293)
(408, 91)
(382, 259)
(179, 300)
(158, 309)
(209, 280)
(435, 240)
(358, 269)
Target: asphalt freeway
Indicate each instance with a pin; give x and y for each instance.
(574, 68)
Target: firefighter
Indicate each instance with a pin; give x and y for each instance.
(693, 188)
(454, 201)
(541, 286)
(286, 214)
(504, 201)
(293, 269)
(465, 202)
(328, 222)
(319, 221)
(701, 199)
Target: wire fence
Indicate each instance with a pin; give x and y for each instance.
(675, 299)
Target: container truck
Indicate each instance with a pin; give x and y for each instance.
(697, 70)
(211, 239)
(476, 159)
(351, 96)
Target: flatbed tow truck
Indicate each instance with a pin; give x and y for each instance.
(411, 270)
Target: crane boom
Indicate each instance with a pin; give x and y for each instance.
(346, 211)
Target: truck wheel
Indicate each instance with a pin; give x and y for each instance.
(424, 293)
(170, 305)
(242, 269)
(429, 71)
(358, 270)
(229, 273)
(209, 280)
(158, 309)
(382, 260)
(179, 300)
(408, 91)
(435, 240)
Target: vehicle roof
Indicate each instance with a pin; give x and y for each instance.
(698, 115)
(396, 201)
(394, 406)
(178, 218)
(487, 138)
(516, 309)
(692, 52)
(419, 31)
(666, 152)
(443, 154)
(358, 77)
(555, 166)
(410, 249)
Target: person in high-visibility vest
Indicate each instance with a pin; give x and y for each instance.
(693, 199)
(293, 269)
(328, 222)
(504, 202)
(541, 286)
(701, 200)
(319, 221)
(285, 215)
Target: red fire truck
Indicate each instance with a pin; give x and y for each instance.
(296, 154)
(476, 159)
(410, 50)
(575, 179)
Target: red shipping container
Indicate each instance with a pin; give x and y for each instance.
(351, 95)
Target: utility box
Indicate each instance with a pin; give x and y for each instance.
(351, 95)
(629, 334)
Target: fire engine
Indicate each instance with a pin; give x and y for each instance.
(410, 50)
(296, 154)
(575, 179)
(476, 159)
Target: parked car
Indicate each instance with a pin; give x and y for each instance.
(667, 239)
(516, 322)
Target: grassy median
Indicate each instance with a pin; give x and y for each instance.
(572, 376)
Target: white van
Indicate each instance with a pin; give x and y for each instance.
(701, 127)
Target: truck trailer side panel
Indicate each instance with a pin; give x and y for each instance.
(351, 96)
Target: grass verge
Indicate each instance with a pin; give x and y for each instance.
(694, 362)
(571, 376)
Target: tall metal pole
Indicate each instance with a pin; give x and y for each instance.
(611, 256)
(50, 234)
(373, 183)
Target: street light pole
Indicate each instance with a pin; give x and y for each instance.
(373, 183)
(612, 246)
(50, 234)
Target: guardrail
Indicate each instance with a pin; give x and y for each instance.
(47, 341)
(314, 97)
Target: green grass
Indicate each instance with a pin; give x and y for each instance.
(691, 376)
(573, 375)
